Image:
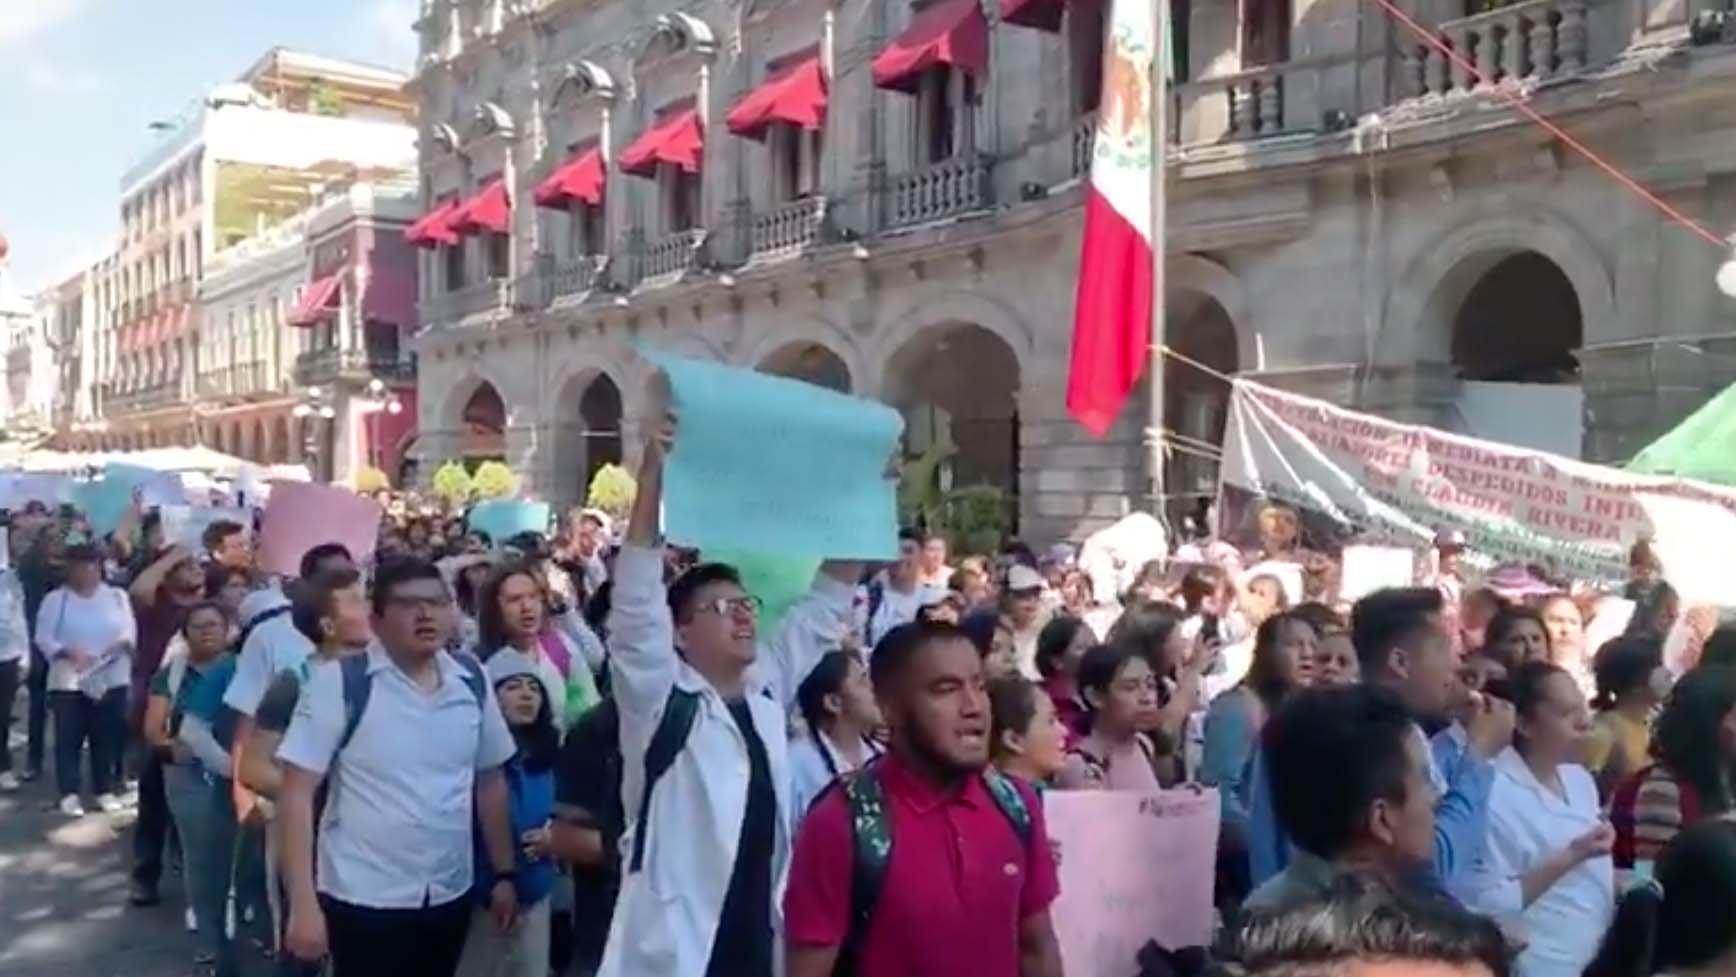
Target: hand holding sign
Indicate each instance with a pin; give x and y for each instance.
(774, 465)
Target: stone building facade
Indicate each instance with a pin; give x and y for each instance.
(1352, 214)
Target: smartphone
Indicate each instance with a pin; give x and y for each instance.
(1209, 629)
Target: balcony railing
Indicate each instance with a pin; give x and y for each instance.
(1258, 103)
(573, 278)
(318, 366)
(946, 189)
(1084, 141)
(674, 255)
(788, 229)
(1527, 42)
(489, 295)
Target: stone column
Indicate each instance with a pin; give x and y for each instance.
(525, 456)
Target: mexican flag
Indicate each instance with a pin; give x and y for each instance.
(1112, 312)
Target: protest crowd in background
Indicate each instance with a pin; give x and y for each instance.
(373, 735)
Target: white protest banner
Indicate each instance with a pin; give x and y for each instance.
(1371, 568)
(1693, 542)
(1110, 847)
(1400, 483)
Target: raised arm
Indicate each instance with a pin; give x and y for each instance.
(642, 658)
(149, 582)
(811, 627)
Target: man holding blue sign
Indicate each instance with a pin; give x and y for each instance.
(704, 741)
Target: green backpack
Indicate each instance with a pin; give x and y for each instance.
(871, 829)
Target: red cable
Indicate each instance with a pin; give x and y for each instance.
(1519, 104)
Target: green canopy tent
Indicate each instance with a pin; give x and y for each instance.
(1703, 446)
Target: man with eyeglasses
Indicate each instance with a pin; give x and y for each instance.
(704, 745)
(414, 741)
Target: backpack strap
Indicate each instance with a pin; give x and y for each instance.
(259, 619)
(876, 597)
(871, 848)
(667, 742)
(358, 685)
(1011, 801)
(473, 676)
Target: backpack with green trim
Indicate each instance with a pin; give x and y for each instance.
(871, 831)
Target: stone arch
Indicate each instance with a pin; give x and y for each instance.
(1519, 321)
(1418, 325)
(921, 313)
(809, 361)
(957, 384)
(482, 423)
(589, 420)
(450, 416)
(816, 331)
(1201, 276)
(1196, 395)
(237, 447)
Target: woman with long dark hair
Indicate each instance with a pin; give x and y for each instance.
(837, 704)
(1694, 743)
(1683, 920)
(1548, 868)
(1120, 692)
(513, 618)
(1283, 651)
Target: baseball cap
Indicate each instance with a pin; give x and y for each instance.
(1022, 578)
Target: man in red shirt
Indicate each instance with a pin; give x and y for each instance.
(968, 881)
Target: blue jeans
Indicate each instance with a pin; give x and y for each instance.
(205, 822)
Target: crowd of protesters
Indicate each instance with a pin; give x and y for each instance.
(578, 752)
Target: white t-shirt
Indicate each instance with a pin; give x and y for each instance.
(895, 607)
(274, 645)
(96, 625)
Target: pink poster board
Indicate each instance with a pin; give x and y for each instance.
(302, 515)
(1134, 868)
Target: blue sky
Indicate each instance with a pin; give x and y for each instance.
(81, 79)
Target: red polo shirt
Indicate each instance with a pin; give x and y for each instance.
(958, 868)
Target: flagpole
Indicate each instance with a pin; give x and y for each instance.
(1160, 68)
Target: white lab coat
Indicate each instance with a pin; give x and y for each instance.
(667, 914)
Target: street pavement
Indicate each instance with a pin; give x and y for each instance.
(63, 897)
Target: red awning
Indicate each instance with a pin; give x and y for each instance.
(579, 179)
(677, 140)
(489, 210)
(945, 33)
(433, 229)
(318, 300)
(795, 95)
(1044, 15)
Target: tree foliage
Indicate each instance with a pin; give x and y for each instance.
(612, 490)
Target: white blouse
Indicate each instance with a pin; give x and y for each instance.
(1529, 823)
